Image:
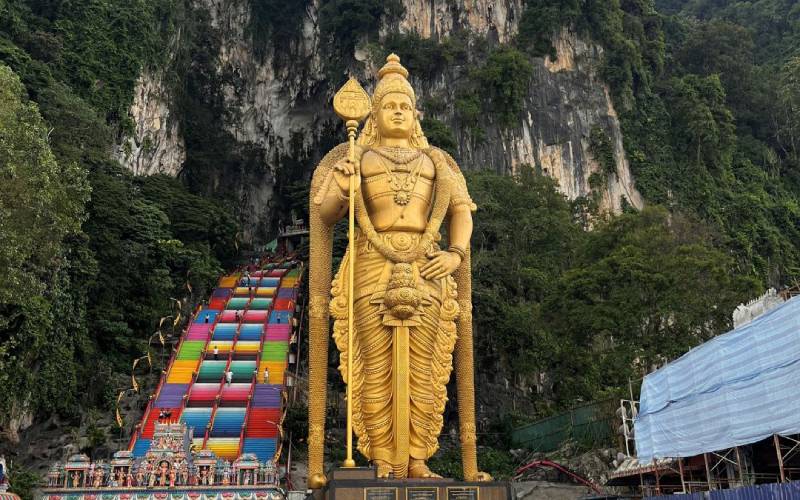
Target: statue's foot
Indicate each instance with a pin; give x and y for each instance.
(481, 476)
(384, 469)
(317, 481)
(417, 469)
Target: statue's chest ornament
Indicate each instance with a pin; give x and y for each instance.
(441, 201)
(403, 179)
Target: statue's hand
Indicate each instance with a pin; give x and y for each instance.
(342, 171)
(442, 264)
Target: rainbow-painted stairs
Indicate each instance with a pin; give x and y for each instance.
(249, 322)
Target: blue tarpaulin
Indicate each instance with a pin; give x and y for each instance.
(736, 389)
(784, 491)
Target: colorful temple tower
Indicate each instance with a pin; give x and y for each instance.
(212, 429)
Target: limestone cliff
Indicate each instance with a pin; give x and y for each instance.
(156, 145)
(279, 114)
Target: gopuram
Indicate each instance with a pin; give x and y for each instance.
(400, 301)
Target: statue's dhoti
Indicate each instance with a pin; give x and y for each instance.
(402, 357)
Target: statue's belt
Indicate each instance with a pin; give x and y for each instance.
(401, 241)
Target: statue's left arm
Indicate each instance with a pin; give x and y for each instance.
(459, 233)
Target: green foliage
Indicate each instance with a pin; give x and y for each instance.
(426, 57)
(645, 288)
(709, 132)
(116, 262)
(588, 308)
(439, 135)
(468, 109)
(499, 463)
(506, 77)
(447, 463)
(602, 150)
(40, 201)
(41, 205)
(24, 483)
(524, 238)
(343, 23)
(540, 20)
(275, 23)
(97, 47)
(789, 114)
(775, 24)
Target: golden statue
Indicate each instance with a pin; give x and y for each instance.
(411, 300)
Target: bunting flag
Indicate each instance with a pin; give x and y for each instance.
(133, 370)
(119, 417)
(133, 378)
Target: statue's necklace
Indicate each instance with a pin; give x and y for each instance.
(403, 184)
(399, 155)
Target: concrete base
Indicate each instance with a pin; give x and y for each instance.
(361, 484)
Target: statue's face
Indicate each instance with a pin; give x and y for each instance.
(396, 116)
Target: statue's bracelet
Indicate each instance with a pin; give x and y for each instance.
(459, 251)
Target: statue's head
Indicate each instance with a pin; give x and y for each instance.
(394, 108)
(395, 116)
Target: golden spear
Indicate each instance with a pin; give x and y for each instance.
(352, 104)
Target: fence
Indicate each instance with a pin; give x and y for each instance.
(590, 424)
(777, 491)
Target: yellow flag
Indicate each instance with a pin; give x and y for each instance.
(119, 417)
(133, 375)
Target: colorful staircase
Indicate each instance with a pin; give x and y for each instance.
(249, 322)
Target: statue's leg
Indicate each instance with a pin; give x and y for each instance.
(428, 382)
(375, 341)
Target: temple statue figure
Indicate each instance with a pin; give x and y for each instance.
(412, 295)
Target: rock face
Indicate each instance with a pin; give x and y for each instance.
(156, 145)
(543, 490)
(281, 113)
(497, 20)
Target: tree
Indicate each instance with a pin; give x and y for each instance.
(41, 201)
(646, 287)
(41, 207)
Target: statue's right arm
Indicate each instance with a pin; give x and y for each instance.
(335, 201)
(334, 205)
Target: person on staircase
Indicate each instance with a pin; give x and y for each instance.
(266, 375)
(216, 353)
(228, 377)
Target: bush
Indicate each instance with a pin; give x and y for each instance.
(343, 23)
(506, 78)
(439, 135)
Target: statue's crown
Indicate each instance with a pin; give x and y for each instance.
(392, 78)
(392, 66)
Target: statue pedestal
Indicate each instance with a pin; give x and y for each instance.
(360, 483)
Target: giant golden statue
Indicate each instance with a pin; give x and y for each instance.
(411, 299)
